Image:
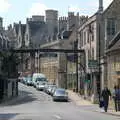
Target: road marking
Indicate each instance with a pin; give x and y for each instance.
(58, 117)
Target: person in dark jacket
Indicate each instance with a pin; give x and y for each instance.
(115, 97)
(117, 93)
(106, 94)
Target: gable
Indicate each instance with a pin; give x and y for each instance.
(115, 43)
(113, 9)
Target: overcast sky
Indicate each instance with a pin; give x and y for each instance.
(16, 10)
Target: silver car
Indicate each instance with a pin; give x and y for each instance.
(60, 94)
(41, 85)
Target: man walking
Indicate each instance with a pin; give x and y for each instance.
(117, 94)
(115, 97)
(106, 94)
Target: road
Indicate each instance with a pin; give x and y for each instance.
(36, 105)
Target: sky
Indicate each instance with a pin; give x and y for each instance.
(18, 10)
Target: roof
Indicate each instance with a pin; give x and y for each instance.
(38, 32)
(66, 34)
(108, 7)
(23, 28)
(115, 43)
(35, 26)
(16, 26)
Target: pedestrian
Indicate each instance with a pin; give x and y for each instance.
(114, 95)
(117, 96)
(106, 94)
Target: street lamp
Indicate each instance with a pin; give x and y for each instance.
(76, 61)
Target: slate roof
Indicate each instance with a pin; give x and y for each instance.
(35, 26)
(66, 34)
(115, 43)
(23, 28)
(38, 32)
(16, 26)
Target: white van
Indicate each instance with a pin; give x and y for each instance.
(37, 76)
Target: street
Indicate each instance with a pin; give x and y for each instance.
(37, 105)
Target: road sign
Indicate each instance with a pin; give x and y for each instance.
(87, 81)
(92, 63)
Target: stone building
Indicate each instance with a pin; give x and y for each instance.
(62, 25)
(111, 30)
(90, 37)
(35, 35)
(8, 87)
(52, 23)
(21, 34)
(12, 33)
(113, 62)
(53, 65)
(73, 20)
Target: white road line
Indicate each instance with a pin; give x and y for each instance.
(58, 117)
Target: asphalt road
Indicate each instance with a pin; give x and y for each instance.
(35, 105)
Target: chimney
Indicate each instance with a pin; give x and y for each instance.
(1, 22)
(100, 6)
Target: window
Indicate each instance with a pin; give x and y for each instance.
(84, 37)
(19, 41)
(81, 38)
(88, 36)
(88, 54)
(111, 27)
(92, 53)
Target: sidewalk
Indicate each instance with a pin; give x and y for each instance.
(14, 100)
(78, 100)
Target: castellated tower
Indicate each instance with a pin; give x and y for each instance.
(62, 24)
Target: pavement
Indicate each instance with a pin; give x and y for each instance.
(37, 105)
(80, 101)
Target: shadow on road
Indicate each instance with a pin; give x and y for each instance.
(7, 116)
(23, 98)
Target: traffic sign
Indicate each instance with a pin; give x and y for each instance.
(87, 81)
(92, 63)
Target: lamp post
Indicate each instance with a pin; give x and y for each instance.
(76, 61)
(99, 66)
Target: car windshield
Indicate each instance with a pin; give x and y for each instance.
(41, 79)
(60, 92)
(29, 78)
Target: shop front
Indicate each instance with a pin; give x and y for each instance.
(113, 63)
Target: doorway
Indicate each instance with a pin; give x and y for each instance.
(119, 82)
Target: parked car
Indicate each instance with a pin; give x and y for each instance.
(60, 94)
(39, 81)
(37, 77)
(24, 81)
(29, 81)
(49, 89)
(40, 85)
(53, 90)
(20, 79)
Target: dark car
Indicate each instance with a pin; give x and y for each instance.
(60, 94)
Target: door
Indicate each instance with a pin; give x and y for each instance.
(119, 82)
